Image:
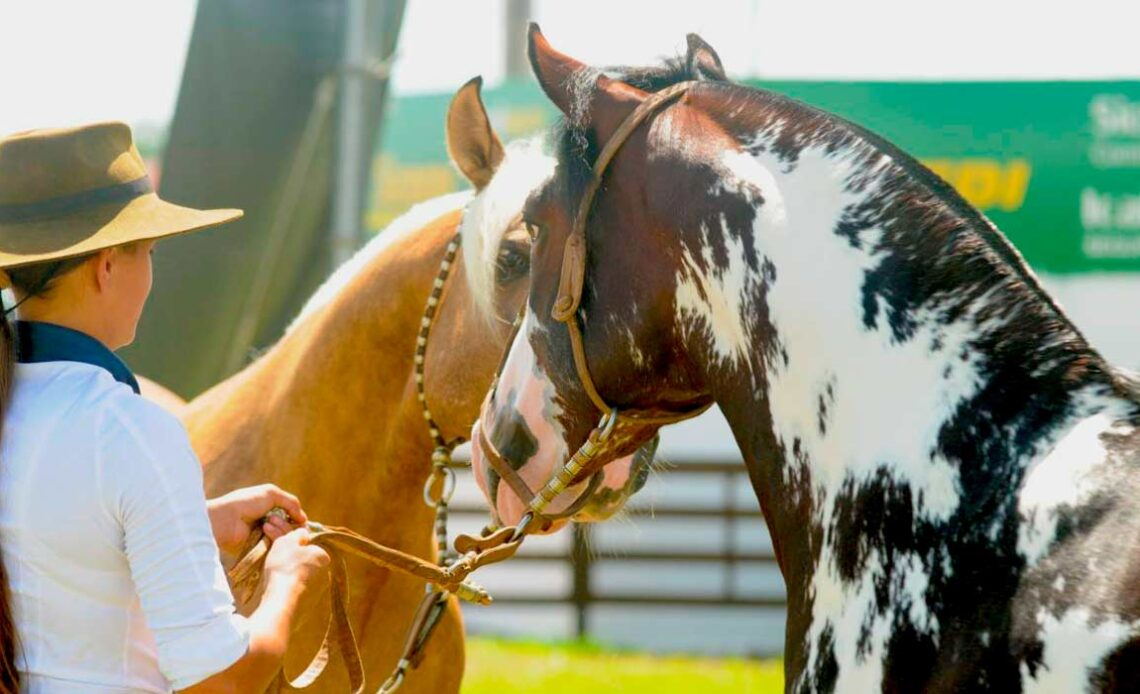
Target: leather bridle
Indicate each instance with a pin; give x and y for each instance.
(565, 311)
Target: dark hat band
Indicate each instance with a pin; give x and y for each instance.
(53, 208)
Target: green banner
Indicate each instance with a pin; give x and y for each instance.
(1056, 165)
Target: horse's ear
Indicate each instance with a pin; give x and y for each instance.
(554, 70)
(471, 141)
(583, 94)
(702, 60)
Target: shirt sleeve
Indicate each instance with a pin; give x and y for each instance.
(153, 482)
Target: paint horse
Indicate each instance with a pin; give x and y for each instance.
(949, 471)
(331, 413)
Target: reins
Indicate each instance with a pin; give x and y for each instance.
(245, 577)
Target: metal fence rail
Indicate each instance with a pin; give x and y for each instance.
(582, 561)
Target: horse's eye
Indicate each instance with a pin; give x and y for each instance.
(513, 262)
(532, 230)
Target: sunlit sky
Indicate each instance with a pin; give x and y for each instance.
(71, 61)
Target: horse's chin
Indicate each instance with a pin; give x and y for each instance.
(622, 478)
(620, 484)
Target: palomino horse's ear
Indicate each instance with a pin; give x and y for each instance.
(583, 94)
(702, 60)
(471, 141)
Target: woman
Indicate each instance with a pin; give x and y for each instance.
(111, 574)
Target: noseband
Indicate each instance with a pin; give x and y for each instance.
(565, 311)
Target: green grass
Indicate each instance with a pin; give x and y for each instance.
(505, 667)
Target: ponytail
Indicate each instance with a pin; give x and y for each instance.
(30, 280)
(9, 676)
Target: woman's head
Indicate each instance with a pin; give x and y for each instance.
(84, 193)
(100, 293)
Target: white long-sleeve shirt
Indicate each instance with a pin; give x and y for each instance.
(114, 572)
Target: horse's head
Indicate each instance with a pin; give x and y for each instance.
(540, 412)
(472, 329)
(489, 282)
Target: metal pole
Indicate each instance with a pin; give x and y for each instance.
(580, 556)
(351, 154)
(518, 15)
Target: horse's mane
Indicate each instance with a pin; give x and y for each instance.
(494, 210)
(653, 78)
(951, 225)
(410, 222)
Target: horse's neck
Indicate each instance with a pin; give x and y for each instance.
(885, 347)
(330, 412)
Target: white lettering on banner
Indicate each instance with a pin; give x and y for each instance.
(1101, 246)
(1111, 222)
(1115, 155)
(1096, 210)
(1120, 211)
(1114, 115)
(1115, 124)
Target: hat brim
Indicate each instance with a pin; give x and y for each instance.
(144, 218)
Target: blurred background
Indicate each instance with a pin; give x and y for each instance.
(323, 119)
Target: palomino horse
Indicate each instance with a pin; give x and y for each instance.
(949, 471)
(160, 395)
(331, 412)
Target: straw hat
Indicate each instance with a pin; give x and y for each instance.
(72, 191)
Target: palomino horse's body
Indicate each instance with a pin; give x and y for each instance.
(160, 395)
(335, 421)
(950, 473)
(330, 413)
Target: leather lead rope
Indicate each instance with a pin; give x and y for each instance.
(245, 578)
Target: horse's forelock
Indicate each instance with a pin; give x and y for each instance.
(581, 85)
(491, 213)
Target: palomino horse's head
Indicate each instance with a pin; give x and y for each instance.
(471, 332)
(539, 414)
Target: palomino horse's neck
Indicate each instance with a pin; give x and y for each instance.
(347, 365)
(330, 413)
(891, 369)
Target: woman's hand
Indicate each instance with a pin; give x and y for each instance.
(234, 515)
(296, 561)
(292, 569)
(295, 573)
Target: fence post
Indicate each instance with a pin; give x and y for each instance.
(580, 560)
(730, 557)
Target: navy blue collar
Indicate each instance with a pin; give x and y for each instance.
(38, 342)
